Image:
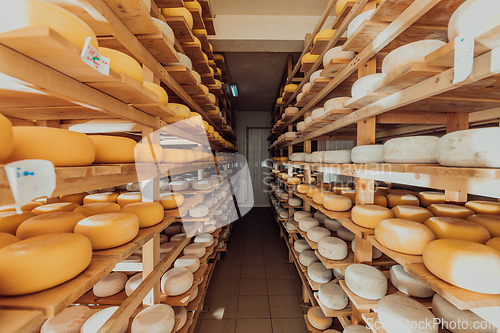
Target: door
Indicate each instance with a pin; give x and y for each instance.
(257, 154)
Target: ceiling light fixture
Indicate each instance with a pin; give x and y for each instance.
(234, 90)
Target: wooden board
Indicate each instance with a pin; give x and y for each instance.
(331, 312)
(306, 66)
(197, 19)
(356, 229)
(133, 14)
(182, 75)
(17, 321)
(330, 264)
(343, 14)
(208, 79)
(202, 67)
(209, 26)
(204, 41)
(155, 109)
(195, 53)
(169, 3)
(400, 258)
(180, 28)
(334, 67)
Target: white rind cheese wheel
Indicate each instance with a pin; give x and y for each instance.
(176, 281)
(300, 126)
(290, 134)
(335, 104)
(318, 113)
(157, 318)
(337, 54)
(399, 314)
(180, 185)
(295, 202)
(450, 315)
(299, 157)
(301, 245)
(133, 283)
(337, 203)
(412, 213)
(473, 18)
(337, 156)
(366, 281)
(317, 156)
(307, 257)
(315, 75)
(308, 158)
(345, 234)
(409, 53)
(468, 265)
(308, 120)
(357, 21)
(197, 250)
(490, 222)
(376, 253)
(331, 224)
(365, 85)
(333, 296)
(204, 239)
(356, 329)
(404, 236)
(416, 149)
(110, 285)
(453, 228)
(317, 318)
(407, 284)
(200, 210)
(163, 27)
(472, 148)
(306, 87)
(290, 226)
(180, 317)
(307, 223)
(69, 320)
(338, 274)
(317, 233)
(368, 154)
(369, 216)
(333, 248)
(318, 272)
(98, 319)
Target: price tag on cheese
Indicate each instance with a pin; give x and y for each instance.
(30, 179)
(93, 58)
(464, 58)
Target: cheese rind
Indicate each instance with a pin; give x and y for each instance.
(333, 248)
(157, 318)
(490, 222)
(399, 314)
(307, 257)
(396, 199)
(319, 273)
(11, 220)
(404, 236)
(366, 281)
(50, 223)
(317, 318)
(197, 250)
(453, 228)
(365, 85)
(307, 223)
(149, 213)
(333, 296)
(7, 239)
(128, 198)
(158, 90)
(176, 281)
(417, 149)
(180, 11)
(337, 203)
(412, 213)
(409, 53)
(369, 216)
(484, 207)
(301, 245)
(317, 233)
(428, 198)
(494, 243)
(171, 200)
(408, 284)
(450, 210)
(6, 137)
(190, 262)
(368, 154)
(98, 319)
(69, 320)
(123, 63)
(98, 208)
(101, 197)
(110, 285)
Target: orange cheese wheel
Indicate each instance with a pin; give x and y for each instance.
(149, 213)
(174, 156)
(50, 223)
(351, 194)
(128, 198)
(55, 207)
(101, 197)
(30, 206)
(6, 137)
(484, 207)
(336, 203)
(428, 198)
(493, 243)
(76, 198)
(369, 216)
(7, 239)
(412, 213)
(302, 188)
(449, 210)
(380, 200)
(123, 63)
(113, 149)
(157, 89)
(145, 153)
(339, 189)
(293, 180)
(490, 222)
(396, 199)
(311, 190)
(108, 230)
(42, 262)
(8, 208)
(319, 195)
(453, 228)
(403, 236)
(98, 208)
(171, 200)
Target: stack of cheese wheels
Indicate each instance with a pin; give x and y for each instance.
(72, 317)
(50, 223)
(98, 208)
(123, 63)
(332, 248)
(333, 296)
(403, 236)
(127, 198)
(180, 110)
(55, 207)
(62, 147)
(453, 228)
(301, 245)
(113, 149)
(416, 149)
(158, 90)
(484, 207)
(369, 216)
(402, 314)
(21, 262)
(408, 284)
(490, 222)
(366, 281)
(412, 213)
(146, 153)
(368, 154)
(337, 54)
(396, 199)
(98, 319)
(337, 203)
(149, 213)
(155, 318)
(181, 12)
(110, 285)
(337, 156)
(428, 198)
(409, 53)
(317, 318)
(450, 210)
(108, 230)
(176, 281)
(465, 264)
(307, 257)
(11, 220)
(358, 21)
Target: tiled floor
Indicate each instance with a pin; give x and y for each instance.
(254, 289)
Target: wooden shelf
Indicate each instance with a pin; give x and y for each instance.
(180, 28)
(331, 312)
(15, 321)
(400, 258)
(371, 319)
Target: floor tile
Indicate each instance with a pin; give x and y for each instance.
(223, 287)
(289, 325)
(286, 306)
(253, 272)
(217, 326)
(221, 307)
(253, 326)
(278, 271)
(280, 287)
(276, 259)
(253, 307)
(253, 287)
(228, 272)
(253, 259)
(297, 284)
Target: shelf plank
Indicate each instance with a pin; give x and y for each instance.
(334, 67)
(400, 258)
(330, 264)
(331, 312)
(17, 321)
(169, 3)
(208, 79)
(198, 22)
(306, 66)
(182, 75)
(133, 14)
(371, 319)
(343, 14)
(202, 67)
(356, 229)
(180, 28)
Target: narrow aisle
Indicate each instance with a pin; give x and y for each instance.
(254, 288)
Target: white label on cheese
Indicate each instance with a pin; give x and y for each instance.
(464, 58)
(30, 179)
(93, 58)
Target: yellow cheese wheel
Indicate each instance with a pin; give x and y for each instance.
(450, 210)
(324, 34)
(174, 156)
(403, 236)
(380, 200)
(319, 195)
(338, 189)
(351, 194)
(453, 228)
(7, 239)
(206, 125)
(285, 176)
(123, 63)
(30, 206)
(293, 181)
(108, 230)
(468, 265)
(219, 57)
(196, 119)
(55, 207)
(311, 190)
(200, 32)
(369, 216)
(302, 188)
(290, 87)
(128, 198)
(197, 42)
(279, 100)
(484, 207)
(308, 57)
(336, 203)
(50, 223)
(149, 213)
(162, 94)
(146, 153)
(42, 262)
(190, 155)
(412, 213)
(396, 199)
(61, 147)
(27, 13)
(180, 110)
(205, 89)
(76, 198)
(212, 98)
(171, 200)
(429, 198)
(493, 243)
(6, 137)
(490, 222)
(193, 5)
(101, 197)
(181, 11)
(342, 3)
(98, 208)
(113, 149)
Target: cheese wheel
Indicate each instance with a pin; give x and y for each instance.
(428, 198)
(291, 111)
(30, 206)
(453, 228)
(317, 318)
(301, 245)
(200, 210)
(128, 198)
(171, 200)
(174, 156)
(179, 11)
(337, 54)
(149, 213)
(364, 85)
(180, 317)
(300, 125)
(337, 203)
(11, 220)
(201, 185)
(324, 34)
(295, 202)
(98, 319)
(376, 253)
(331, 224)
(55, 207)
(493, 243)
(412, 213)
(202, 32)
(332, 248)
(356, 329)
(157, 89)
(100, 197)
(317, 156)
(176, 281)
(319, 195)
(368, 154)
(473, 18)
(157, 318)
(133, 283)
(308, 57)
(403, 236)
(146, 153)
(165, 29)
(345, 234)
(318, 273)
(366, 281)
(110, 285)
(397, 199)
(316, 233)
(307, 121)
(290, 226)
(333, 296)
(197, 250)
(50, 223)
(108, 230)
(416, 149)
(307, 223)
(69, 320)
(59, 146)
(179, 185)
(194, 294)
(7, 239)
(379, 200)
(204, 239)
(190, 262)
(293, 180)
(197, 119)
(407, 284)
(315, 75)
(351, 194)
(335, 104)
(311, 190)
(358, 21)
(307, 257)
(399, 314)
(409, 53)
(98, 208)
(180, 110)
(76, 198)
(337, 156)
(484, 207)
(490, 222)
(174, 230)
(123, 63)
(369, 216)
(6, 137)
(468, 265)
(28, 266)
(449, 210)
